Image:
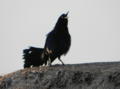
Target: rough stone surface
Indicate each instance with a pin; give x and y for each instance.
(74, 76)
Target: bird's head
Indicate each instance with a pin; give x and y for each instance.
(64, 16)
(63, 19)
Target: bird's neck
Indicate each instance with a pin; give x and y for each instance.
(61, 29)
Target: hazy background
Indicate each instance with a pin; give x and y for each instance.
(93, 24)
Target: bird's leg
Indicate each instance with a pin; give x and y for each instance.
(49, 58)
(49, 62)
(61, 61)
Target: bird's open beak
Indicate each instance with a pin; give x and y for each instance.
(66, 15)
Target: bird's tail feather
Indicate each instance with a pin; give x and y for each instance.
(32, 57)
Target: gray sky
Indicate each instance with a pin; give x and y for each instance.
(93, 24)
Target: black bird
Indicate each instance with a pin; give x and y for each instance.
(58, 41)
(32, 57)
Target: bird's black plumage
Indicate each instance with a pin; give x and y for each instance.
(32, 57)
(58, 41)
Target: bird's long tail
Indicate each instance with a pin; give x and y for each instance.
(32, 57)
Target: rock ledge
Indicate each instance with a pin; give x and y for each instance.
(73, 76)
